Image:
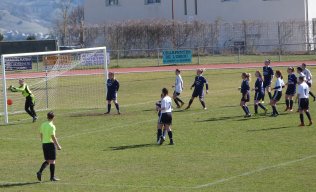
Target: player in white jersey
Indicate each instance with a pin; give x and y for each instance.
(308, 76)
(302, 95)
(178, 88)
(279, 84)
(165, 119)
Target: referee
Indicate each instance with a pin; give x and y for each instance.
(49, 141)
(29, 98)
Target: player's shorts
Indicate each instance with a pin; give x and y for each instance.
(267, 83)
(304, 104)
(198, 93)
(277, 95)
(29, 101)
(309, 84)
(258, 96)
(290, 91)
(245, 99)
(165, 118)
(111, 96)
(49, 150)
(176, 93)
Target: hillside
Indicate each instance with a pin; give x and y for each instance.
(18, 18)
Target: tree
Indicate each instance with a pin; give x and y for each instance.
(31, 37)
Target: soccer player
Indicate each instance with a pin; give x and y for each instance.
(308, 76)
(112, 86)
(198, 88)
(165, 119)
(291, 89)
(49, 145)
(178, 87)
(245, 89)
(259, 92)
(29, 98)
(277, 93)
(303, 94)
(268, 75)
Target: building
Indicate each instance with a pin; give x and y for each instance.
(102, 11)
(271, 15)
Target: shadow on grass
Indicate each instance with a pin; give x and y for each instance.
(132, 146)
(88, 114)
(7, 185)
(221, 118)
(270, 129)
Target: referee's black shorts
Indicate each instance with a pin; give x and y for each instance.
(49, 150)
(165, 118)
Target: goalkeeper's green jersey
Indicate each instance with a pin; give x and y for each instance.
(24, 89)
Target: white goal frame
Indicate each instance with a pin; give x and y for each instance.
(3, 64)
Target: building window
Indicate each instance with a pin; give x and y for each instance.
(152, 1)
(196, 7)
(185, 7)
(111, 2)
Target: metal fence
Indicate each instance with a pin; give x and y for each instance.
(216, 55)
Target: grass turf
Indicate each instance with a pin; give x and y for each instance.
(216, 149)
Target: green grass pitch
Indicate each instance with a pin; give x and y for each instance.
(215, 149)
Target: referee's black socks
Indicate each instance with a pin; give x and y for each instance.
(52, 170)
(117, 107)
(44, 165)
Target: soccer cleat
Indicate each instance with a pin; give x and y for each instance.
(119, 113)
(265, 111)
(248, 115)
(274, 114)
(161, 140)
(291, 110)
(310, 123)
(262, 101)
(187, 108)
(34, 119)
(286, 109)
(301, 125)
(54, 179)
(39, 176)
(178, 106)
(106, 113)
(205, 108)
(171, 143)
(181, 105)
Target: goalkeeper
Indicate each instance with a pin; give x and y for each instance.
(29, 98)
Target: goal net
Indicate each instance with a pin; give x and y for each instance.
(70, 79)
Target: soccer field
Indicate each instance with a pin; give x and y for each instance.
(215, 149)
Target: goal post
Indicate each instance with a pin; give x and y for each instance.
(68, 79)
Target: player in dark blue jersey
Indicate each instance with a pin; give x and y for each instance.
(245, 90)
(112, 88)
(268, 75)
(259, 92)
(198, 88)
(291, 89)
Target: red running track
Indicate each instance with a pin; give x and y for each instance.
(159, 69)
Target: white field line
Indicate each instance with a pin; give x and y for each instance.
(253, 172)
(207, 185)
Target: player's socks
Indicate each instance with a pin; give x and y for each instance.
(44, 165)
(190, 102)
(170, 137)
(270, 95)
(176, 102)
(287, 102)
(302, 118)
(159, 133)
(308, 116)
(52, 171)
(117, 107)
(261, 106)
(312, 94)
(291, 104)
(203, 104)
(245, 110)
(274, 110)
(256, 108)
(178, 99)
(109, 108)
